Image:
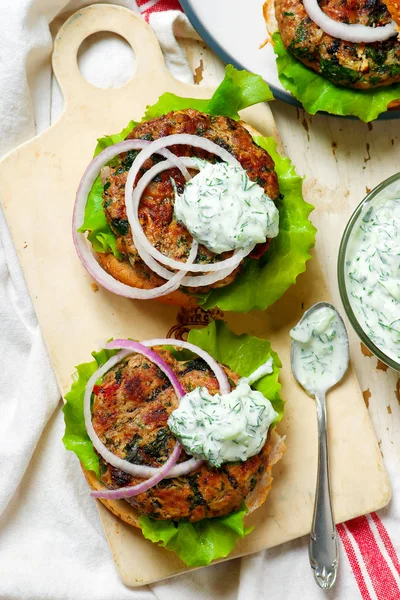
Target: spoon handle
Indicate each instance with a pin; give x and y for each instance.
(323, 548)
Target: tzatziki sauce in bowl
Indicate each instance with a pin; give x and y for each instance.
(369, 271)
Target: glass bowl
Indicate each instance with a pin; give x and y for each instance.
(390, 188)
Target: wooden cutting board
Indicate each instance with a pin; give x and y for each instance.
(38, 182)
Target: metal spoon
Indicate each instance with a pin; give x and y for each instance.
(323, 546)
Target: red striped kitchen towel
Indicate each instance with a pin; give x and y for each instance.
(372, 557)
(149, 6)
(365, 540)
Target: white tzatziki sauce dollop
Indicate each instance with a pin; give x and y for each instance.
(223, 428)
(372, 274)
(224, 210)
(320, 349)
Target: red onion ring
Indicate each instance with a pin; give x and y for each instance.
(109, 457)
(132, 198)
(220, 374)
(145, 349)
(84, 253)
(178, 139)
(191, 464)
(130, 346)
(139, 488)
(355, 33)
(214, 272)
(141, 241)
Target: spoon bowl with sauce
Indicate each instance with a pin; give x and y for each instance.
(319, 360)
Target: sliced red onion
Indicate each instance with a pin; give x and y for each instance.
(214, 272)
(117, 462)
(109, 457)
(209, 278)
(145, 249)
(220, 374)
(188, 281)
(132, 200)
(356, 33)
(184, 468)
(143, 486)
(177, 139)
(144, 348)
(82, 248)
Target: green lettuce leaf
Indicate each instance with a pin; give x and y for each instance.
(76, 438)
(243, 354)
(238, 90)
(263, 281)
(318, 94)
(168, 102)
(100, 234)
(197, 544)
(116, 138)
(200, 543)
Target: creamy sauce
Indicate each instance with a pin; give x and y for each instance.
(373, 274)
(223, 428)
(320, 349)
(224, 210)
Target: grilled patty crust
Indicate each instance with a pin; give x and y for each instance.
(130, 412)
(156, 205)
(362, 66)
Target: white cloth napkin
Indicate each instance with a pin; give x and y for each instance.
(170, 26)
(52, 544)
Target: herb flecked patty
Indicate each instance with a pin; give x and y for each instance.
(156, 209)
(350, 65)
(130, 412)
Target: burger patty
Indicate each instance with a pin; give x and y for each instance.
(130, 412)
(350, 65)
(156, 212)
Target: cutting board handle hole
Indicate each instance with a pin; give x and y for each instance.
(100, 57)
(82, 40)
